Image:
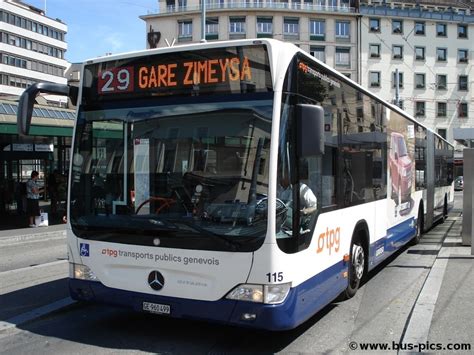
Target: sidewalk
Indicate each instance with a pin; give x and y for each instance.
(24, 234)
(453, 316)
(443, 312)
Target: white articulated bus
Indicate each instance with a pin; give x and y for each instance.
(241, 182)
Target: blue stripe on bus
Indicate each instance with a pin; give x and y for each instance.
(302, 303)
(397, 236)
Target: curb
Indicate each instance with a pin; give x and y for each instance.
(33, 237)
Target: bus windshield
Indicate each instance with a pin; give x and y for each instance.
(192, 176)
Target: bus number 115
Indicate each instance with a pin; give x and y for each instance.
(275, 277)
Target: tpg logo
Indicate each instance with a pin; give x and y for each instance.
(329, 240)
(84, 249)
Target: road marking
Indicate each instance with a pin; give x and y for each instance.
(419, 322)
(35, 313)
(29, 268)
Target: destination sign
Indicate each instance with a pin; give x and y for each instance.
(214, 70)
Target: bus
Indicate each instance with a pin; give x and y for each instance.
(240, 182)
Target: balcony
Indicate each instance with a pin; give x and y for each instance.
(415, 12)
(254, 5)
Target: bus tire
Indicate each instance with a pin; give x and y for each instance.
(419, 227)
(357, 267)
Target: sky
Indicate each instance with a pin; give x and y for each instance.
(97, 27)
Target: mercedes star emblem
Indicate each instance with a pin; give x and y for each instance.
(156, 280)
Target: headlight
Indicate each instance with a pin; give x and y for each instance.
(81, 272)
(268, 294)
(274, 294)
(250, 293)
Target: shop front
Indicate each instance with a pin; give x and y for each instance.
(46, 150)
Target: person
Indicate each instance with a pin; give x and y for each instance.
(308, 203)
(32, 198)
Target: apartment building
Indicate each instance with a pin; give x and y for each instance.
(325, 28)
(431, 44)
(32, 48)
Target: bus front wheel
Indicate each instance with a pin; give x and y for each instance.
(357, 268)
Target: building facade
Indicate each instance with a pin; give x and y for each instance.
(325, 28)
(32, 49)
(431, 45)
(429, 42)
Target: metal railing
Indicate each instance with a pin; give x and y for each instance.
(418, 13)
(252, 5)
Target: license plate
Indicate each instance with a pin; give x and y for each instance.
(156, 308)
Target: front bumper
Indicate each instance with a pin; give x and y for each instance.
(302, 302)
(270, 317)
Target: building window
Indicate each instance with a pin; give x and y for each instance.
(397, 52)
(462, 31)
(441, 81)
(345, 4)
(397, 26)
(442, 132)
(22, 22)
(185, 29)
(400, 79)
(182, 4)
(420, 109)
(374, 25)
(419, 53)
(264, 26)
(462, 82)
(318, 52)
(441, 109)
(462, 109)
(212, 28)
(317, 30)
(419, 28)
(170, 5)
(237, 25)
(441, 30)
(343, 57)
(463, 55)
(420, 80)
(374, 50)
(441, 54)
(343, 30)
(291, 27)
(374, 78)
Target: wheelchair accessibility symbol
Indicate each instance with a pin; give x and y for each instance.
(84, 249)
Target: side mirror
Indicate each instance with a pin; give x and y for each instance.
(310, 130)
(27, 101)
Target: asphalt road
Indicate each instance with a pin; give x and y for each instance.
(378, 313)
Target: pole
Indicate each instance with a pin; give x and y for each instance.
(397, 88)
(468, 199)
(203, 21)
